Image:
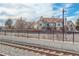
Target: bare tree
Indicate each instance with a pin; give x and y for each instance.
(19, 24)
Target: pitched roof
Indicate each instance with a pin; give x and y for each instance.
(34, 23)
(51, 20)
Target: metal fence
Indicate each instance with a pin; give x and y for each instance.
(50, 35)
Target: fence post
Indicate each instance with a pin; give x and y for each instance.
(18, 33)
(53, 35)
(27, 34)
(5, 32)
(11, 32)
(22, 32)
(63, 36)
(73, 37)
(38, 34)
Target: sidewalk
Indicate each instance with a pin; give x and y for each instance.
(69, 46)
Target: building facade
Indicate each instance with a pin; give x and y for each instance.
(49, 23)
(54, 24)
(71, 27)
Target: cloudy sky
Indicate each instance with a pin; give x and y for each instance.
(33, 11)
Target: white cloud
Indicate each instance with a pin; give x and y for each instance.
(31, 11)
(35, 10)
(67, 5)
(8, 11)
(73, 18)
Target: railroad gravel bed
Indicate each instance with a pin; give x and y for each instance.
(12, 51)
(58, 45)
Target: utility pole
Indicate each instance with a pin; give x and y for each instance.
(63, 22)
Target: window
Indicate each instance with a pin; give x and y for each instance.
(40, 24)
(54, 24)
(58, 24)
(47, 25)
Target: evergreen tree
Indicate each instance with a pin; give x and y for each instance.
(8, 23)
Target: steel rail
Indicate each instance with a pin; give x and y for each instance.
(42, 51)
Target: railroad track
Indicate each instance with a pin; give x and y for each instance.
(2, 54)
(41, 50)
